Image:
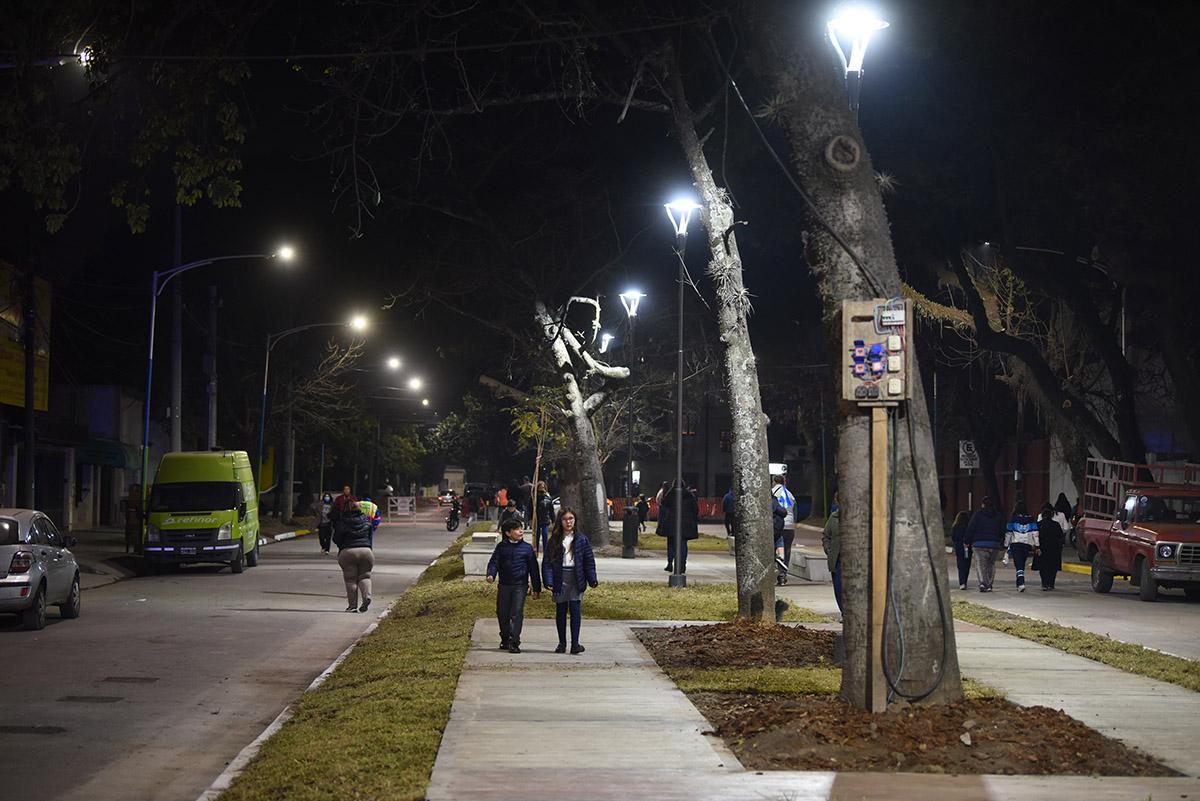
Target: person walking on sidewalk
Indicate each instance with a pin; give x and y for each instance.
(344, 500)
(516, 565)
(778, 513)
(322, 509)
(727, 508)
(962, 549)
(831, 542)
(511, 512)
(1021, 540)
(690, 529)
(371, 512)
(352, 535)
(545, 516)
(1050, 546)
(643, 510)
(568, 569)
(985, 535)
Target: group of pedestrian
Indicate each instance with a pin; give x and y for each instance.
(568, 568)
(985, 536)
(350, 524)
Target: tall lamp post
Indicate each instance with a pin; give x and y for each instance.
(855, 26)
(630, 526)
(157, 284)
(680, 213)
(357, 323)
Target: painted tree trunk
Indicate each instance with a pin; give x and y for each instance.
(593, 503)
(828, 153)
(755, 543)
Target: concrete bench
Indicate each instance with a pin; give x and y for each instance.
(478, 551)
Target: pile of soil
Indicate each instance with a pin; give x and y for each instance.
(738, 643)
(805, 732)
(970, 736)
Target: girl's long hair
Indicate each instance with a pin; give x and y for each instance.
(554, 550)
(961, 519)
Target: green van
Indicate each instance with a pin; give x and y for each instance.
(203, 508)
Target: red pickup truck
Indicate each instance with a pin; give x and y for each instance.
(1142, 522)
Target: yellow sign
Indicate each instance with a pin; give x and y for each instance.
(12, 340)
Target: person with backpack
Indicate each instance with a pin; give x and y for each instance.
(1021, 540)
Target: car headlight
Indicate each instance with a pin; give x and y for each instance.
(1165, 551)
(225, 531)
(152, 533)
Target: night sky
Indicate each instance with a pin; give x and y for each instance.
(1060, 124)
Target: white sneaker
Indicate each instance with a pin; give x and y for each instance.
(962, 586)
(1021, 588)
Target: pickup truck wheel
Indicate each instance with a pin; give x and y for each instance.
(1102, 580)
(1192, 591)
(1147, 586)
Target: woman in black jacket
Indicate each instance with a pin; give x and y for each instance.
(962, 548)
(666, 524)
(1050, 547)
(352, 535)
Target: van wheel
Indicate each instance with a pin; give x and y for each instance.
(70, 608)
(1147, 586)
(239, 565)
(1102, 580)
(34, 618)
(252, 557)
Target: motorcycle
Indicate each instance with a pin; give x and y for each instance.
(452, 518)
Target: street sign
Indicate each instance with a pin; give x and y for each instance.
(968, 457)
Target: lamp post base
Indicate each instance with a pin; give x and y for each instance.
(677, 581)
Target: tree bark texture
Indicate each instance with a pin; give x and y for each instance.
(828, 153)
(755, 543)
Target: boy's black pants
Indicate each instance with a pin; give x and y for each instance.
(510, 610)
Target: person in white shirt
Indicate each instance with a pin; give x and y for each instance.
(783, 555)
(568, 569)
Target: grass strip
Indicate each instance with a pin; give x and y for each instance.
(372, 730)
(1097, 647)
(705, 543)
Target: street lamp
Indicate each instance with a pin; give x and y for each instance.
(630, 299)
(424, 401)
(605, 339)
(855, 25)
(158, 283)
(357, 323)
(414, 383)
(393, 363)
(680, 213)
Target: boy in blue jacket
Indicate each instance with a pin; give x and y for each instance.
(515, 563)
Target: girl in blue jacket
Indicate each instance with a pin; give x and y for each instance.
(568, 569)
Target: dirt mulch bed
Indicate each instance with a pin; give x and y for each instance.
(738, 643)
(971, 736)
(806, 732)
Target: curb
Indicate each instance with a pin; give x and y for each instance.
(238, 764)
(287, 535)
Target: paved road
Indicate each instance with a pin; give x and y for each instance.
(164, 679)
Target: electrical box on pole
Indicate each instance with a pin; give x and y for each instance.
(877, 355)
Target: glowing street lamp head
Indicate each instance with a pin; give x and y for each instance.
(424, 401)
(358, 322)
(857, 25)
(393, 363)
(414, 383)
(85, 56)
(605, 338)
(285, 253)
(630, 298)
(680, 212)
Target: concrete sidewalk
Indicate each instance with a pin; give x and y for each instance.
(610, 725)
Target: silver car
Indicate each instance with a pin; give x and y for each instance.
(36, 568)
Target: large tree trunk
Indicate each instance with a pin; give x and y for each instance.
(593, 503)
(827, 150)
(755, 543)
